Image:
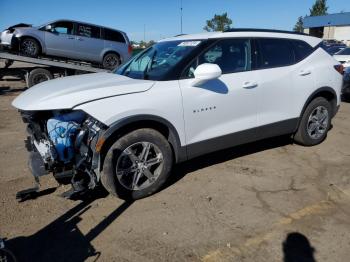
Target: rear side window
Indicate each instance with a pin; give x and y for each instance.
(112, 35)
(274, 53)
(88, 31)
(301, 49)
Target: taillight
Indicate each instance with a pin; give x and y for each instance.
(130, 49)
(340, 69)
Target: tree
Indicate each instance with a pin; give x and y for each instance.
(299, 26)
(150, 43)
(218, 23)
(319, 8)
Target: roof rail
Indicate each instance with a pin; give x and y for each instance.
(262, 30)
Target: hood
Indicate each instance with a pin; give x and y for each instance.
(20, 25)
(68, 92)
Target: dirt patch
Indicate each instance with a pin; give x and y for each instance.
(236, 205)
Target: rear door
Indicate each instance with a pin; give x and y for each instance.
(275, 70)
(89, 44)
(115, 41)
(60, 40)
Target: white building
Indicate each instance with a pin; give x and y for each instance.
(333, 26)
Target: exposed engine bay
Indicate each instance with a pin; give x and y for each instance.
(63, 143)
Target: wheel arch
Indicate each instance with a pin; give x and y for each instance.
(110, 51)
(129, 124)
(41, 44)
(326, 92)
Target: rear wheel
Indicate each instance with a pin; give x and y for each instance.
(137, 165)
(315, 123)
(111, 61)
(30, 47)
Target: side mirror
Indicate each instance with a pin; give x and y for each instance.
(206, 72)
(48, 27)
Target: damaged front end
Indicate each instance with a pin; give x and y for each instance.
(63, 143)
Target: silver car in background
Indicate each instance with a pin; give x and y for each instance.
(70, 39)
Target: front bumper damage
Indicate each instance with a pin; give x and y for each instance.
(68, 153)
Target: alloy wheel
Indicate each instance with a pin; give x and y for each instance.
(317, 124)
(29, 47)
(139, 166)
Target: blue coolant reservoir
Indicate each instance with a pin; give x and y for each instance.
(61, 129)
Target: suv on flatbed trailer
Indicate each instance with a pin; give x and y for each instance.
(181, 98)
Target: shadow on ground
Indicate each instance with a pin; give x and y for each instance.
(62, 240)
(345, 99)
(7, 90)
(297, 248)
(201, 162)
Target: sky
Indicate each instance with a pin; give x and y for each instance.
(161, 18)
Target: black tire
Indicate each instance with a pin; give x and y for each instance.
(7, 255)
(303, 136)
(30, 47)
(111, 61)
(109, 177)
(38, 75)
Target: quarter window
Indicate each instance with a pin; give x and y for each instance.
(275, 53)
(301, 49)
(231, 55)
(88, 31)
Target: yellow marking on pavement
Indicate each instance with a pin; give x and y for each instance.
(224, 253)
(212, 256)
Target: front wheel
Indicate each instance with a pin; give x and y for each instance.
(30, 47)
(137, 165)
(315, 123)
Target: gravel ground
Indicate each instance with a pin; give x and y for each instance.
(266, 201)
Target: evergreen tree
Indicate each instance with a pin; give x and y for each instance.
(299, 26)
(319, 8)
(218, 23)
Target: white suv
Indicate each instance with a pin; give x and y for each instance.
(183, 97)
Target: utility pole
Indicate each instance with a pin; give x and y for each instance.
(144, 33)
(181, 16)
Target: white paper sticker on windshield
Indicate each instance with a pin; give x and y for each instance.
(189, 43)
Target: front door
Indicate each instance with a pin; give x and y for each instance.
(222, 112)
(60, 40)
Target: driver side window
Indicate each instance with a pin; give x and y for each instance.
(62, 28)
(231, 55)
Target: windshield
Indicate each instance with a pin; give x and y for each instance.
(157, 60)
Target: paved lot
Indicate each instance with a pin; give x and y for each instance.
(266, 201)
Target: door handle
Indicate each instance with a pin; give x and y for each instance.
(304, 72)
(249, 84)
(80, 39)
(70, 37)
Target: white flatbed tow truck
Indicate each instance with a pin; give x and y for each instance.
(45, 68)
